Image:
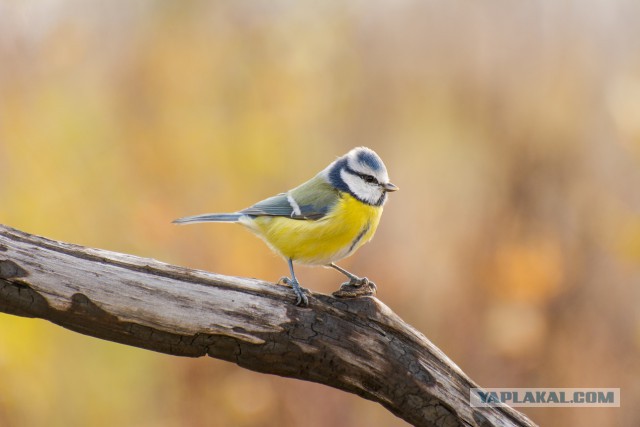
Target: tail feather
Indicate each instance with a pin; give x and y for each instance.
(226, 217)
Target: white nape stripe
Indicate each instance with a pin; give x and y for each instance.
(294, 205)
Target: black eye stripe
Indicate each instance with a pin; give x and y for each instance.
(368, 178)
(365, 177)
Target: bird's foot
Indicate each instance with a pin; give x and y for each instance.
(301, 298)
(356, 287)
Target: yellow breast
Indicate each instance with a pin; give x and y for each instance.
(337, 235)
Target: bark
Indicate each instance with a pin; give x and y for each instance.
(357, 345)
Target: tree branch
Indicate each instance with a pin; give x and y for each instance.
(357, 345)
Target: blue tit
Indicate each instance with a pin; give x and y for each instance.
(323, 220)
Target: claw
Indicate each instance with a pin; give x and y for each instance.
(284, 281)
(358, 281)
(373, 287)
(356, 287)
(301, 298)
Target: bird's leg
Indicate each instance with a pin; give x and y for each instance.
(301, 298)
(353, 279)
(355, 287)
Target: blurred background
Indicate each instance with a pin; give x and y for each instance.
(512, 128)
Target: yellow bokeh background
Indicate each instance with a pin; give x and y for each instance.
(512, 128)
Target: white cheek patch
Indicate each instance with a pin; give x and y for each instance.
(367, 192)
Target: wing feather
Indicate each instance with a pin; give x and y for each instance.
(310, 201)
(273, 206)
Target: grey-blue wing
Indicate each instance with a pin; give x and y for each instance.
(280, 205)
(273, 206)
(312, 200)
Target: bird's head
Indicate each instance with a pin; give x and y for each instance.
(362, 174)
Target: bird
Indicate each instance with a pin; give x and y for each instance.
(321, 221)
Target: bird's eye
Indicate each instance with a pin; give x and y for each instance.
(369, 179)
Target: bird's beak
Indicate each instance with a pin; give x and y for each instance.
(390, 187)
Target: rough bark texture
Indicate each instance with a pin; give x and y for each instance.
(357, 345)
